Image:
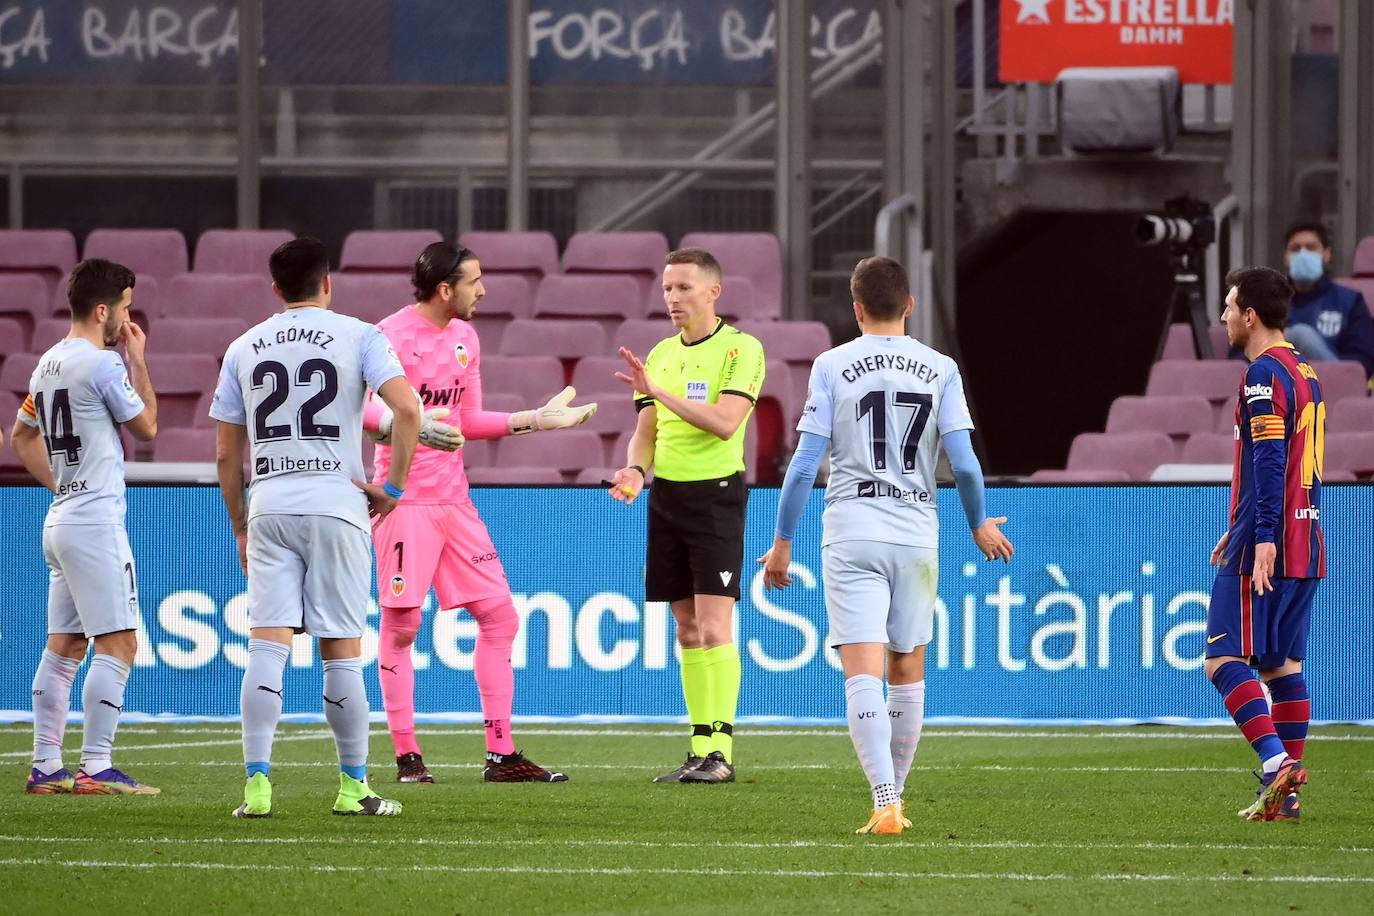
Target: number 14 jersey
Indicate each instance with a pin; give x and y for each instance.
(297, 382)
(883, 402)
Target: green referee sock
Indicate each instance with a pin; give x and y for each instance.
(723, 673)
(696, 690)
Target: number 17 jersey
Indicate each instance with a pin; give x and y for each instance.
(297, 382)
(884, 403)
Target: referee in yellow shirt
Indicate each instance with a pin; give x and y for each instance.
(694, 394)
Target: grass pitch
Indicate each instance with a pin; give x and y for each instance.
(1005, 820)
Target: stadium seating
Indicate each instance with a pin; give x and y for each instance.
(596, 374)
(752, 256)
(514, 476)
(1178, 343)
(1209, 448)
(237, 251)
(210, 336)
(1350, 415)
(204, 295)
(594, 476)
(9, 458)
(1341, 379)
(534, 379)
(1216, 380)
(15, 373)
(506, 297)
(180, 380)
(49, 253)
(615, 413)
(568, 340)
(156, 252)
(640, 335)
(1221, 344)
(609, 299)
(184, 444)
(528, 255)
(638, 255)
(24, 298)
(48, 332)
(371, 296)
(1330, 476)
(385, 250)
(1176, 416)
(1137, 454)
(1352, 452)
(1362, 265)
(737, 301)
(478, 453)
(1065, 475)
(568, 451)
(13, 339)
(502, 401)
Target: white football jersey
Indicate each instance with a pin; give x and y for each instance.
(883, 402)
(297, 382)
(79, 394)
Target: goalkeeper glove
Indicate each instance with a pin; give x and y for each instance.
(556, 414)
(433, 432)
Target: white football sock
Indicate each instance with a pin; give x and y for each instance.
(906, 709)
(52, 702)
(871, 733)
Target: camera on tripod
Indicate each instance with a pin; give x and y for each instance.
(1188, 227)
(1187, 223)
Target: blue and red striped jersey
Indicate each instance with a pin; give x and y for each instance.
(1276, 482)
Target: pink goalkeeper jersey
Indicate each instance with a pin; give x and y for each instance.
(443, 366)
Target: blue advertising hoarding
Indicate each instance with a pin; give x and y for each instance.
(1098, 619)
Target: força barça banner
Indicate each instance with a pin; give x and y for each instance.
(1099, 618)
(1039, 38)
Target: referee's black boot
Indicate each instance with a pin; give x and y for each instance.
(691, 763)
(712, 769)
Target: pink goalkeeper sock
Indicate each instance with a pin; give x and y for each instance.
(498, 623)
(397, 673)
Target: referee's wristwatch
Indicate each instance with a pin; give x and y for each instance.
(642, 475)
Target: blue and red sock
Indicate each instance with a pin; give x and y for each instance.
(1292, 710)
(1244, 698)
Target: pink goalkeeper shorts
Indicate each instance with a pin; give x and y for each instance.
(445, 546)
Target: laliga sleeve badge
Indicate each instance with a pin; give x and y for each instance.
(461, 352)
(398, 586)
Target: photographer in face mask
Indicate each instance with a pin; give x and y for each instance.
(1326, 321)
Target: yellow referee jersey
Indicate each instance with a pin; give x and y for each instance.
(726, 361)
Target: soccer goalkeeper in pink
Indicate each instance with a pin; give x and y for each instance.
(434, 537)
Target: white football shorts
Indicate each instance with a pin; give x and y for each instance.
(312, 573)
(879, 593)
(92, 587)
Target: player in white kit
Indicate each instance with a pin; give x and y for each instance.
(293, 386)
(67, 435)
(883, 403)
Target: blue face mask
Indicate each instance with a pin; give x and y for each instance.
(1305, 266)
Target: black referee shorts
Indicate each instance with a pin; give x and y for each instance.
(696, 538)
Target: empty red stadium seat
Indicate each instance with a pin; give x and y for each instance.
(478, 453)
(1209, 448)
(737, 301)
(210, 336)
(534, 379)
(180, 381)
(515, 476)
(24, 298)
(1352, 452)
(1221, 344)
(1341, 379)
(638, 255)
(752, 256)
(568, 450)
(1178, 343)
(1174, 415)
(1362, 265)
(184, 444)
(613, 298)
(1350, 415)
(9, 409)
(1137, 454)
(204, 295)
(15, 373)
(797, 343)
(371, 297)
(1216, 380)
(640, 335)
(238, 251)
(50, 253)
(506, 297)
(597, 374)
(48, 332)
(13, 339)
(156, 252)
(385, 250)
(1064, 475)
(529, 255)
(568, 340)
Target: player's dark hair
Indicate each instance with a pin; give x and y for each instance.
(440, 262)
(880, 285)
(1311, 226)
(702, 258)
(1264, 290)
(96, 280)
(299, 267)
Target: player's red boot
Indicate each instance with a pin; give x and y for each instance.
(517, 768)
(411, 768)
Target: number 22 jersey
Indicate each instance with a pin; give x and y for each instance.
(297, 382)
(883, 402)
(78, 395)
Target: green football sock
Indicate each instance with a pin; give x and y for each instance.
(696, 690)
(723, 674)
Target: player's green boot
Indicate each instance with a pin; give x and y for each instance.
(257, 797)
(357, 797)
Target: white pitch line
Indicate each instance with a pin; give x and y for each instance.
(123, 749)
(643, 844)
(691, 872)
